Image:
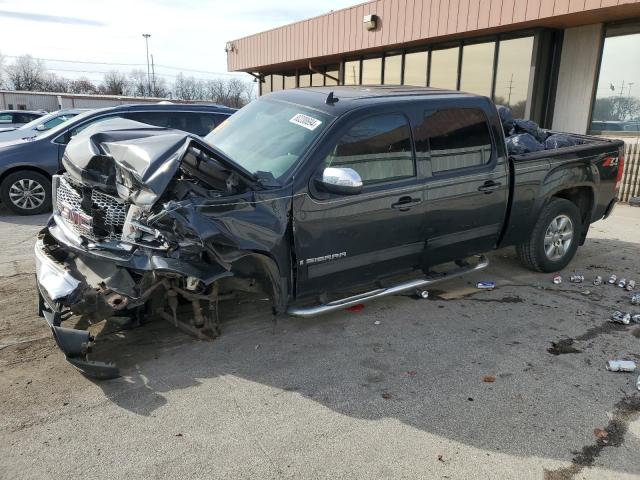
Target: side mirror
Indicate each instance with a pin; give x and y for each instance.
(41, 127)
(344, 181)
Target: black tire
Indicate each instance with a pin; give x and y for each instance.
(39, 200)
(533, 253)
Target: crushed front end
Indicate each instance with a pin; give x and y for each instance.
(153, 223)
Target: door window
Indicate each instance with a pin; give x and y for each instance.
(69, 134)
(6, 118)
(378, 148)
(455, 138)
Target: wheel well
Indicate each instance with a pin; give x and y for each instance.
(24, 167)
(582, 197)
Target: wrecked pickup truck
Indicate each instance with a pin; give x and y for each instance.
(304, 195)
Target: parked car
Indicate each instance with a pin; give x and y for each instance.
(26, 165)
(17, 118)
(303, 195)
(41, 124)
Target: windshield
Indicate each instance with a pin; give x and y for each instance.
(268, 136)
(48, 121)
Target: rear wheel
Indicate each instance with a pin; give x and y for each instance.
(554, 240)
(26, 193)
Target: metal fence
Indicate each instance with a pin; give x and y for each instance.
(630, 185)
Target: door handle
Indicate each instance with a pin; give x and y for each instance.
(489, 186)
(405, 203)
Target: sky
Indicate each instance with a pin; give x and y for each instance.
(185, 34)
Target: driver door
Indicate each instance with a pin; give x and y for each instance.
(342, 240)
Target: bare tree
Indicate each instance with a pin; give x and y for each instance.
(138, 83)
(159, 88)
(26, 73)
(54, 83)
(1, 70)
(113, 83)
(82, 85)
(188, 88)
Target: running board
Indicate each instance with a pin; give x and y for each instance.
(307, 312)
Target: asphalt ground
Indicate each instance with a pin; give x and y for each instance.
(461, 385)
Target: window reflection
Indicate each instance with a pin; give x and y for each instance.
(317, 79)
(276, 83)
(392, 69)
(352, 72)
(333, 71)
(372, 71)
(617, 104)
(512, 77)
(266, 84)
(477, 68)
(290, 80)
(304, 78)
(444, 68)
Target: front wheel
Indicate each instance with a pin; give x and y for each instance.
(26, 193)
(554, 240)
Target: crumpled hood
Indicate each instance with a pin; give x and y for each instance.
(151, 155)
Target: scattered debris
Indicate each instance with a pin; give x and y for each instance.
(622, 283)
(576, 278)
(621, 317)
(586, 292)
(635, 299)
(638, 383)
(488, 378)
(386, 395)
(470, 399)
(420, 293)
(562, 346)
(377, 322)
(486, 285)
(412, 373)
(613, 278)
(635, 318)
(557, 279)
(178, 435)
(597, 281)
(355, 308)
(621, 365)
(441, 458)
(601, 434)
(631, 284)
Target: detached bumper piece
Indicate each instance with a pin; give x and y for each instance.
(55, 286)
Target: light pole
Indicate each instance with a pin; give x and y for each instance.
(146, 41)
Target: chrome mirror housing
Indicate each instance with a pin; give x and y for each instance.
(345, 181)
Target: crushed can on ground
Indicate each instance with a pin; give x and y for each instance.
(621, 365)
(635, 299)
(621, 317)
(557, 279)
(486, 285)
(631, 284)
(598, 280)
(576, 278)
(613, 278)
(622, 283)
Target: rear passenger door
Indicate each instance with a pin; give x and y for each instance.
(466, 182)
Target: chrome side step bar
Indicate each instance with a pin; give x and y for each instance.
(307, 312)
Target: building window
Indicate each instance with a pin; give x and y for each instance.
(512, 76)
(333, 71)
(372, 71)
(266, 85)
(277, 83)
(415, 68)
(393, 69)
(317, 79)
(290, 80)
(477, 68)
(378, 148)
(304, 78)
(352, 72)
(444, 68)
(616, 108)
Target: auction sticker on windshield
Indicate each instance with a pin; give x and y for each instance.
(305, 121)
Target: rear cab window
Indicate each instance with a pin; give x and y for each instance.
(454, 139)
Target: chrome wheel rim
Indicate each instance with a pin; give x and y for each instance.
(27, 194)
(558, 237)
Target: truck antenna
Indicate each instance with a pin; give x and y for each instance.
(331, 99)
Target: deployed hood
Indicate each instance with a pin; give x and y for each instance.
(135, 160)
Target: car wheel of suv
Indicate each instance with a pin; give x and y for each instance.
(554, 240)
(26, 193)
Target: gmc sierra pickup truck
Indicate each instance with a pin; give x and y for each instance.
(304, 195)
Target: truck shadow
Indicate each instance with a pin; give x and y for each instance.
(422, 364)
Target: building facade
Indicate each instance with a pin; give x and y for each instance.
(570, 65)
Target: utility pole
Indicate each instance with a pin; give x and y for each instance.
(153, 75)
(146, 40)
(510, 88)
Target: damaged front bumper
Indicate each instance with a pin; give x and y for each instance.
(100, 280)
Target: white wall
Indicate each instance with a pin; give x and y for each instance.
(576, 79)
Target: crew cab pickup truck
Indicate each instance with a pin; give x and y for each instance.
(304, 195)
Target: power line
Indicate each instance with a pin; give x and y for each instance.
(84, 62)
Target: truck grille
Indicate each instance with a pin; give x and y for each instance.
(111, 211)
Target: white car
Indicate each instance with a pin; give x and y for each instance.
(12, 119)
(39, 125)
